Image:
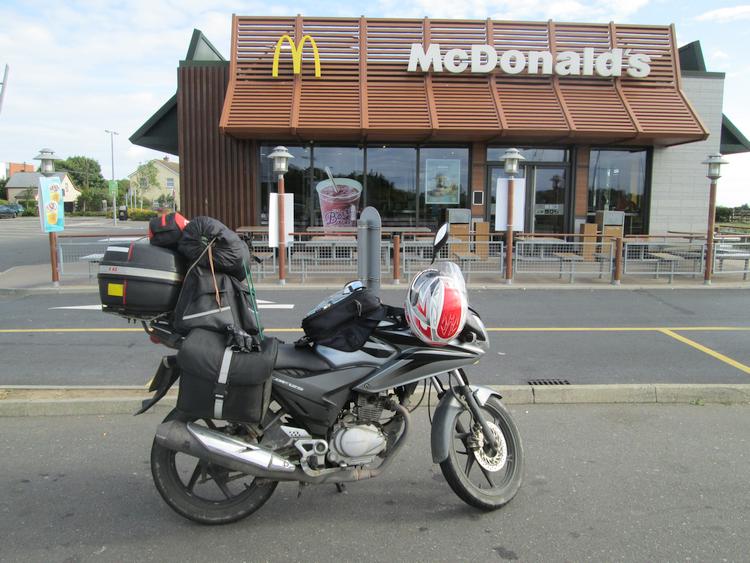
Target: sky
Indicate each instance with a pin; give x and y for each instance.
(80, 67)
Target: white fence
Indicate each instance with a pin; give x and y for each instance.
(732, 258)
(664, 259)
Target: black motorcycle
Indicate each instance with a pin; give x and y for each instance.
(336, 417)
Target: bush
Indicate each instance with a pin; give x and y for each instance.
(723, 214)
(136, 214)
(3, 202)
(30, 209)
(89, 214)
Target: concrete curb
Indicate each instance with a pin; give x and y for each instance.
(105, 404)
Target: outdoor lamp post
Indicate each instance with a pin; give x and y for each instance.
(280, 157)
(714, 162)
(511, 158)
(47, 158)
(112, 154)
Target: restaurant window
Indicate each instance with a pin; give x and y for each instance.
(325, 207)
(443, 182)
(392, 183)
(531, 154)
(296, 181)
(617, 181)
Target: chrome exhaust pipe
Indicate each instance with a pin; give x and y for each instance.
(220, 449)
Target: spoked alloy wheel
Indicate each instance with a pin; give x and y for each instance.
(483, 476)
(204, 492)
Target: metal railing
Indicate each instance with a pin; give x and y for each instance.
(732, 257)
(88, 249)
(665, 258)
(566, 259)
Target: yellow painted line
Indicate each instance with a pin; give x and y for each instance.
(490, 329)
(709, 351)
(615, 329)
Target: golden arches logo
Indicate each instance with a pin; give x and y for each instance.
(296, 54)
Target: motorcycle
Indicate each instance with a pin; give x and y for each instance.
(338, 417)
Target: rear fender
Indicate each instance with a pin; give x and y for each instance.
(445, 413)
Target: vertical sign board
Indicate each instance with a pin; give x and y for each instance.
(51, 206)
(519, 204)
(273, 219)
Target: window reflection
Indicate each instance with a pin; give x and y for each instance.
(392, 183)
(617, 181)
(296, 181)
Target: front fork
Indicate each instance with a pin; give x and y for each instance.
(470, 401)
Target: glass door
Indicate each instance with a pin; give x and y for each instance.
(545, 190)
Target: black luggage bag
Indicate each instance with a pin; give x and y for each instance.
(345, 320)
(166, 230)
(212, 300)
(218, 381)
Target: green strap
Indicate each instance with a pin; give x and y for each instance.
(249, 278)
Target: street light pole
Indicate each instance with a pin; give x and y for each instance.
(112, 154)
(510, 159)
(714, 162)
(280, 157)
(47, 158)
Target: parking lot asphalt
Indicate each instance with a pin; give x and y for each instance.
(602, 483)
(582, 336)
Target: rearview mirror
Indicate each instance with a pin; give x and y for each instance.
(441, 238)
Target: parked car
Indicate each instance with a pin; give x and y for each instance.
(17, 207)
(6, 211)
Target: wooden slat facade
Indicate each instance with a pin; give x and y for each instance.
(215, 169)
(366, 93)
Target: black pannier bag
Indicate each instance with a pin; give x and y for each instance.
(228, 250)
(219, 381)
(213, 301)
(345, 320)
(140, 281)
(166, 230)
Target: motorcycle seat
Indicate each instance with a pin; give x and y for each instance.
(304, 358)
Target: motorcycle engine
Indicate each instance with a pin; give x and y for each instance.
(358, 438)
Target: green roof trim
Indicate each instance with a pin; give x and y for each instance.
(732, 139)
(691, 57)
(160, 130)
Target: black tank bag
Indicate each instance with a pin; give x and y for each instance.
(345, 321)
(221, 381)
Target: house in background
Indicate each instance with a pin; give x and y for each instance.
(168, 181)
(20, 182)
(7, 169)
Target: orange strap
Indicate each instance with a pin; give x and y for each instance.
(213, 275)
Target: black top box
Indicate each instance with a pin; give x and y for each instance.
(140, 281)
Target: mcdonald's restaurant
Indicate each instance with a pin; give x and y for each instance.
(414, 117)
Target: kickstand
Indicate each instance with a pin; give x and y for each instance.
(301, 486)
(341, 487)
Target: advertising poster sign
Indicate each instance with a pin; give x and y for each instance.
(442, 181)
(273, 219)
(51, 206)
(519, 204)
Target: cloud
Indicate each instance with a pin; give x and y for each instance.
(726, 15)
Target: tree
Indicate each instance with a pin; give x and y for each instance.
(123, 187)
(3, 191)
(145, 178)
(85, 172)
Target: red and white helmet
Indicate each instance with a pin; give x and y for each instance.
(436, 304)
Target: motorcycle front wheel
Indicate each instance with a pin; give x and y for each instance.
(204, 492)
(482, 476)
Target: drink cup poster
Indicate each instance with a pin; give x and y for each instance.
(442, 181)
(51, 206)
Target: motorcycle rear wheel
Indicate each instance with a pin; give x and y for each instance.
(481, 477)
(223, 497)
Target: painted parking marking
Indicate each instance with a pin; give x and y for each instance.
(261, 305)
(713, 353)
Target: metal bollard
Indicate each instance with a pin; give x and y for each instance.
(617, 277)
(396, 258)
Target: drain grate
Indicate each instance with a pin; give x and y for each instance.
(549, 382)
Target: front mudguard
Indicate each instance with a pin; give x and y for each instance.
(445, 413)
